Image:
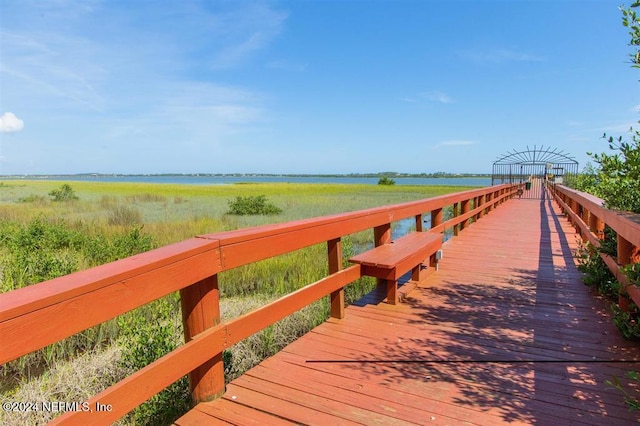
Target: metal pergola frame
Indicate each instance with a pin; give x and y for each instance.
(533, 166)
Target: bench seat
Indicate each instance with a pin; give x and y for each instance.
(391, 261)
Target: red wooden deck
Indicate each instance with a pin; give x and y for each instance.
(507, 291)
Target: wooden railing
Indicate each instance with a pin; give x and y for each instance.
(36, 316)
(589, 217)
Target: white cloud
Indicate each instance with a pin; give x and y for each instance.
(456, 143)
(10, 123)
(618, 127)
(433, 96)
(287, 66)
(247, 31)
(500, 55)
(50, 65)
(636, 108)
(437, 96)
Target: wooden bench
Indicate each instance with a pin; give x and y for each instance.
(391, 261)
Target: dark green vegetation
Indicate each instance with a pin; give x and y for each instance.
(144, 339)
(42, 239)
(253, 205)
(64, 193)
(42, 249)
(616, 179)
(386, 181)
(350, 175)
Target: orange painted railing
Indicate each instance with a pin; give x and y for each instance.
(587, 214)
(36, 316)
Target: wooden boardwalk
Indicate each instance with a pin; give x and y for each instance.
(507, 293)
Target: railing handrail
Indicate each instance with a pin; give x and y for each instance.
(589, 216)
(38, 296)
(98, 294)
(626, 224)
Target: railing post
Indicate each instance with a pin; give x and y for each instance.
(583, 213)
(465, 209)
(419, 223)
(200, 311)
(489, 199)
(625, 248)
(596, 225)
(481, 202)
(382, 235)
(334, 254)
(455, 214)
(563, 197)
(436, 217)
(436, 220)
(572, 207)
(474, 206)
(578, 211)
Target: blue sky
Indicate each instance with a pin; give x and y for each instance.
(307, 86)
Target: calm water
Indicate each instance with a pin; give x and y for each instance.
(222, 180)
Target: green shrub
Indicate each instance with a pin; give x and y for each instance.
(627, 322)
(617, 178)
(44, 249)
(386, 181)
(64, 193)
(146, 335)
(40, 250)
(253, 205)
(633, 273)
(99, 249)
(596, 272)
(630, 399)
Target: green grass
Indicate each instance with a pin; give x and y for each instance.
(175, 212)
(112, 220)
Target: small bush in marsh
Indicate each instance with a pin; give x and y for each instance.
(64, 193)
(253, 205)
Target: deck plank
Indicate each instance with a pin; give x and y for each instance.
(507, 290)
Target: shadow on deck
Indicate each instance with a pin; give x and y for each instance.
(505, 332)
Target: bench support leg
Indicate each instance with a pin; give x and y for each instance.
(382, 235)
(415, 273)
(334, 253)
(392, 292)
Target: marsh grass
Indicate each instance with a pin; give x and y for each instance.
(113, 220)
(76, 380)
(146, 198)
(124, 215)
